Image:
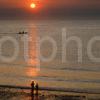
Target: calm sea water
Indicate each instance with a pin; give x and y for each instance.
(54, 73)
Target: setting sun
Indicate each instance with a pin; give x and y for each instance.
(33, 5)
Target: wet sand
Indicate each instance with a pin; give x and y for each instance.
(14, 94)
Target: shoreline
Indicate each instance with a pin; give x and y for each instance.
(15, 94)
(43, 95)
(89, 91)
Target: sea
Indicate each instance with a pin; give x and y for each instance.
(53, 53)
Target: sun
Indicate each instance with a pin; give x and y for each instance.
(33, 5)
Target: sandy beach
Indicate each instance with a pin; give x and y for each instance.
(15, 94)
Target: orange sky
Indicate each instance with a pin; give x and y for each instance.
(49, 7)
(49, 3)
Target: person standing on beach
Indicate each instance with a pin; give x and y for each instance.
(37, 88)
(32, 89)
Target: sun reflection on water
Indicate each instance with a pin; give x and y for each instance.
(33, 61)
(32, 72)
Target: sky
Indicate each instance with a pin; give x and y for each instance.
(53, 8)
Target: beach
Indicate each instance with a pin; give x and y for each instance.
(15, 95)
(20, 94)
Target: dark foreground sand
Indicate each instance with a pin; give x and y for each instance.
(12, 94)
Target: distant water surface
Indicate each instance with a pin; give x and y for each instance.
(55, 73)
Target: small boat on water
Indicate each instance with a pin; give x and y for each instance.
(22, 32)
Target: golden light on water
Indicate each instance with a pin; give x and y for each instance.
(33, 61)
(32, 72)
(33, 47)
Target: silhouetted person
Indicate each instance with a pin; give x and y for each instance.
(23, 32)
(32, 90)
(37, 89)
(19, 33)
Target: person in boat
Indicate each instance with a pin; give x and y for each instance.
(19, 33)
(22, 32)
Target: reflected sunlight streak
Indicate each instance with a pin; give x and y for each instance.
(33, 61)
